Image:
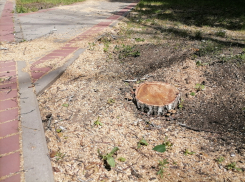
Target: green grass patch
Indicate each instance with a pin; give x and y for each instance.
(25, 6)
(214, 13)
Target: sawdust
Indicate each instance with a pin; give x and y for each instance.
(82, 95)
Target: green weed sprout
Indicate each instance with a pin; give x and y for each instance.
(142, 142)
(108, 157)
(97, 122)
(166, 145)
(232, 166)
(161, 166)
(220, 159)
(187, 152)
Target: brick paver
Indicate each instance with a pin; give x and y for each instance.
(9, 123)
(6, 22)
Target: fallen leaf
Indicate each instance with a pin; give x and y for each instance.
(55, 169)
(81, 142)
(52, 154)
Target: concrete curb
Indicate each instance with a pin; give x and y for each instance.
(51, 77)
(37, 165)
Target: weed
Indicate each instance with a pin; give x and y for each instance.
(106, 47)
(121, 159)
(110, 101)
(220, 159)
(142, 142)
(59, 155)
(128, 51)
(175, 163)
(139, 81)
(21, 9)
(161, 165)
(199, 87)
(187, 152)
(91, 46)
(65, 105)
(199, 63)
(58, 130)
(97, 122)
(181, 104)
(243, 109)
(220, 33)
(166, 145)
(23, 40)
(232, 166)
(139, 39)
(209, 48)
(108, 157)
(192, 93)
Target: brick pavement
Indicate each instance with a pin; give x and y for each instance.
(10, 124)
(7, 23)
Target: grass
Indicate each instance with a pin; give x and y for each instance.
(25, 6)
(187, 152)
(219, 13)
(108, 158)
(232, 166)
(162, 165)
(220, 159)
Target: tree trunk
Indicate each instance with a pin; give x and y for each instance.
(156, 97)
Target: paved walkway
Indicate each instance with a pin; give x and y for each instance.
(23, 149)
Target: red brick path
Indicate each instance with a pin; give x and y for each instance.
(7, 24)
(9, 123)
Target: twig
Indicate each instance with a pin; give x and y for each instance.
(195, 129)
(77, 78)
(49, 122)
(140, 152)
(135, 80)
(9, 91)
(9, 78)
(119, 171)
(130, 166)
(85, 180)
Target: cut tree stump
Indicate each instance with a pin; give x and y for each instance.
(156, 97)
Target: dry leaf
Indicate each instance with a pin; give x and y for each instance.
(81, 142)
(55, 169)
(52, 154)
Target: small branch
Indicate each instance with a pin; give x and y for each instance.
(130, 80)
(195, 129)
(49, 122)
(140, 152)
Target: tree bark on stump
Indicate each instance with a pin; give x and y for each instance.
(156, 97)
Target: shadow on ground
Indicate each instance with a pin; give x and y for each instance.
(214, 13)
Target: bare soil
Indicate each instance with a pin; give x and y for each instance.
(92, 107)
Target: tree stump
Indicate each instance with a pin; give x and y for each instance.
(156, 97)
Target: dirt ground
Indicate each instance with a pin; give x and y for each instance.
(91, 107)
